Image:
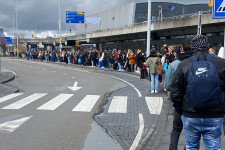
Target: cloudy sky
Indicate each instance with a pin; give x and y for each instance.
(44, 14)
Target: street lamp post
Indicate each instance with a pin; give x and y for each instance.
(17, 35)
(149, 28)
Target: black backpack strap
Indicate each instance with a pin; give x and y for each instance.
(209, 57)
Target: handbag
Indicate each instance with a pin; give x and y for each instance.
(79, 61)
(165, 67)
(159, 69)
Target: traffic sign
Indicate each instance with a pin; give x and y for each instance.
(218, 9)
(34, 46)
(77, 43)
(74, 17)
(210, 3)
(8, 40)
(58, 40)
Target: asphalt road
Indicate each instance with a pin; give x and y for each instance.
(44, 116)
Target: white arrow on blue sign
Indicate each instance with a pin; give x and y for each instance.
(218, 9)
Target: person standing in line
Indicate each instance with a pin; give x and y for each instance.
(131, 58)
(120, 60)
(177, 122)
(197, 92)
(140, 60)
(212, 51)
(152, 62)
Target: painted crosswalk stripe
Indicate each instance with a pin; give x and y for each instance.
(23, 102)
(118, 105)
(8, 97)
(9, 127)
(154, 105)
(87, 103)
(56, 102)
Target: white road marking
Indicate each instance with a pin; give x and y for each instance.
(23, 102)
(87, 103)
(8, 97)
(11, 71)
(139, 134)
(43, 69)
(74, 87)
(73, 77)
(56, 102)
(118, 105)
(154, 105)
(9, 127)
(139, 93)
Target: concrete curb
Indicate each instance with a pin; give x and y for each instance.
(6, 77)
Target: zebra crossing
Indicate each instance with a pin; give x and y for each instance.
(117, 105)
(86, 105)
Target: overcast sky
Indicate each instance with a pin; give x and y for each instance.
(45, 13)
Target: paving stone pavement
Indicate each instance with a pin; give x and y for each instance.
(123, 127)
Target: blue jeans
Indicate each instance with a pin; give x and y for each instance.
(154, 81)
(209, 128)
(68, 58)
(120, 66)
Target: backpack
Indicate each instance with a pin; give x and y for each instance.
(203, 83)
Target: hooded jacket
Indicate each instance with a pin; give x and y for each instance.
(179, 85)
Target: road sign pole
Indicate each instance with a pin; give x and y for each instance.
(149, 28)
(199, 23)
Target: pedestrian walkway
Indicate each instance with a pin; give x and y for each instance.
(85, 105)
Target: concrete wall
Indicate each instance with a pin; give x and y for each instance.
(114, 17)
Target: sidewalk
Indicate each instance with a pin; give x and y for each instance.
(5, 78)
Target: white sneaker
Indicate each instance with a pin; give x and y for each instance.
(152, 91)
(156, 91)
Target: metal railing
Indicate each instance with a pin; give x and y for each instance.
(166, 19)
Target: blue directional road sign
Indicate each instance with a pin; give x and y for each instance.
(218, 9)
(74, 17)
(8, 40)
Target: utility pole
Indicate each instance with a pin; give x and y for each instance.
(149, 28)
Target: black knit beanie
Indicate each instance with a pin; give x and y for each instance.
(200, 42)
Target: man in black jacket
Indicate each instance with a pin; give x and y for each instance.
(207, 122)
(177, 122)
